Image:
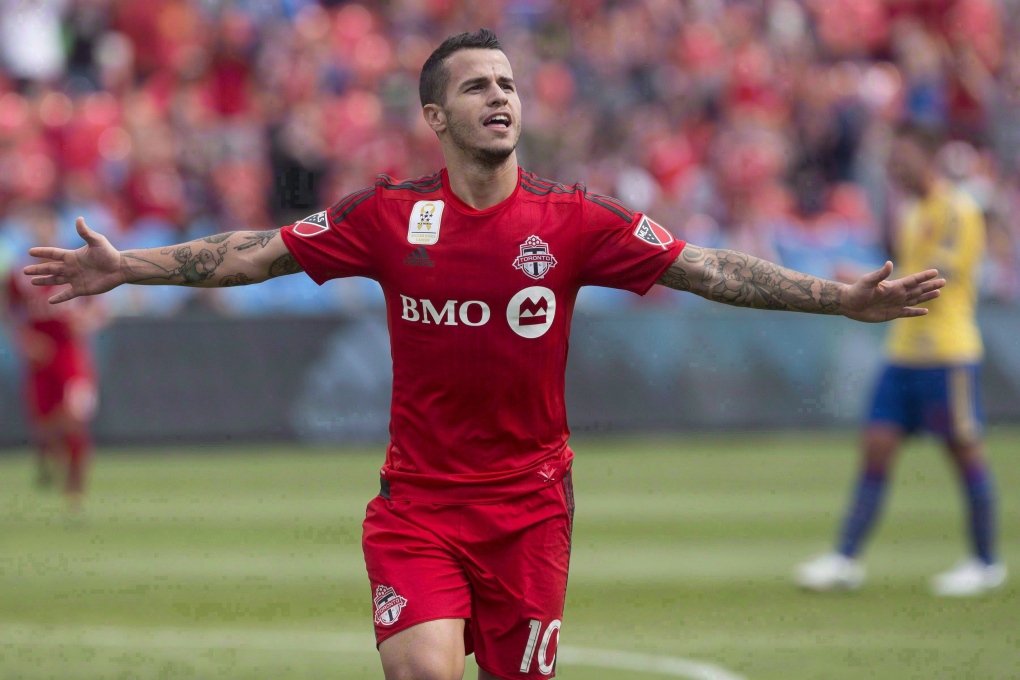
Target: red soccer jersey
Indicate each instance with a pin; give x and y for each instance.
(479, 304)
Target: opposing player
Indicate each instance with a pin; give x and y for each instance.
(931, 380)
(59, 381)
(468, 543)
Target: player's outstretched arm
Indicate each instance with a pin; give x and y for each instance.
(735, 278)
(236, 258)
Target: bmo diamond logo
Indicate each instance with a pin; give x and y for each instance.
(531, 312)
(387, 605)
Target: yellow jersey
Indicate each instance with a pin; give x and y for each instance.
(944, 231)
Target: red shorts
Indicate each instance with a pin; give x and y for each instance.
(502, 567)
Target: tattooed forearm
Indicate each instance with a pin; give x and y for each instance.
(235, 258)
(193, 268)
(283, 265)
(156, 272)
(236, 280)
(743, 280)
(675, 278)
(260, 238)
(183, 254)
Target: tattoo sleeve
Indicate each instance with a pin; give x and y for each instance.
(742, 280)
(285, 264)
(260, 239)
(219, 238)
(235, 258)
(235, 280)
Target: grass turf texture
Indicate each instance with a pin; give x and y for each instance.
(246, 563)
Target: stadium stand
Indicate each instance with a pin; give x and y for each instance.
(760, 126)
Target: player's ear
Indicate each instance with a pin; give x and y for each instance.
(435, 117)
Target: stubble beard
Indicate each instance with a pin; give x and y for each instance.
(487, 157)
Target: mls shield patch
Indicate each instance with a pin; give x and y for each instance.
(387, 605)
(535, 259)
(312, 225)
(652, 234)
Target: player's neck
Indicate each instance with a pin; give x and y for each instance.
(922, 190)
(481, 186)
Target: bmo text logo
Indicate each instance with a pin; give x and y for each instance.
(531, 312)
(452, 313)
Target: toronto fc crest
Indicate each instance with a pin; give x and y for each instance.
(387, 605)
(534, 260)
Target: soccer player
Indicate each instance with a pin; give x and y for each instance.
(60, 387)
(468, 542)
(931, 380)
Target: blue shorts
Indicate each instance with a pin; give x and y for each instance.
(945, 401)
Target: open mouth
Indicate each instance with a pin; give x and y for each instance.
(497, 120)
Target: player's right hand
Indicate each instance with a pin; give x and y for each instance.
(92, 269)
(875, 297)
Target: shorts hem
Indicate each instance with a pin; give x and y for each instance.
(390, 632)
(494, 673)
(886, 420)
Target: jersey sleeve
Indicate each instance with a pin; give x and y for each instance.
(623, 249)
(337, 242)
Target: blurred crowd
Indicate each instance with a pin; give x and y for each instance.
(757, 125)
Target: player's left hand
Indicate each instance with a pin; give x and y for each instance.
(872, 298)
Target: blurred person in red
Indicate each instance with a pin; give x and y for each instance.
(59, 379)
(467, 545)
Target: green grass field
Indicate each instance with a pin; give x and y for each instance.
(246, 563)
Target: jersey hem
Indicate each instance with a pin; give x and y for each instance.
(439, 491)
(676, 249)
(934, 362)
(499, 676)
(296, 254)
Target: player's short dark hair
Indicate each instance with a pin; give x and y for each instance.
(929, 139)
(435, 76)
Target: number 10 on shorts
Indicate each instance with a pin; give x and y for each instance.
(545, 664)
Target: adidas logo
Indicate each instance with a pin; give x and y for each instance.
(419, 258)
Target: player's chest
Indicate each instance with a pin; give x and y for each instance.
(431, 249)
(922, 235)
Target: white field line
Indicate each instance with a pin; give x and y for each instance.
(643, 663)
(13, 635)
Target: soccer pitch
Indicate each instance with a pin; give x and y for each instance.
(211, 562)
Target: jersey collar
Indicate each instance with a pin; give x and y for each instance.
(463, 207)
